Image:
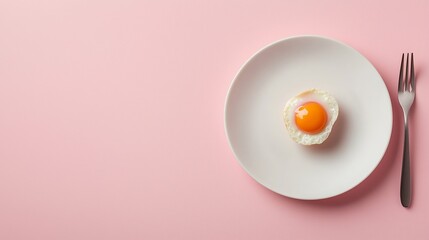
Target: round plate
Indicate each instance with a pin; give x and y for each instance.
(258, 137)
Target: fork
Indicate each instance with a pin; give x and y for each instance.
(406, 95)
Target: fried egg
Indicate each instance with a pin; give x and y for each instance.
(310, 116)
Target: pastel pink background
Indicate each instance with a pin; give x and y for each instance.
(111, 120)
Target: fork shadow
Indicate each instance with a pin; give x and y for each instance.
(413, 134)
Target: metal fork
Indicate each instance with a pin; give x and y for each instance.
(406, 95)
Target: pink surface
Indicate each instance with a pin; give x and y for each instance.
(111, 120)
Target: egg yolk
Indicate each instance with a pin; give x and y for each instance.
(311, 117)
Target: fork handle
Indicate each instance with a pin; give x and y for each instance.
(405, 175)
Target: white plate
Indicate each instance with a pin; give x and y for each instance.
(258, 137)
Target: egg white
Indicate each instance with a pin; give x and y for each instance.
(326, 100)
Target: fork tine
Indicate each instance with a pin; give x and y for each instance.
(401, 80)
(413, 81)
(406, 79)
